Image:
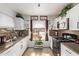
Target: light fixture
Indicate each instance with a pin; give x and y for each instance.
(38, 4)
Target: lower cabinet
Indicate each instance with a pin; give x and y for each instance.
(67, 52)
(23, 46)
(51, 42)
(16, 50)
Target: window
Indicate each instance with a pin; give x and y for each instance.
(38, 34)
(34, 17)
(43, 17)
(39, 28)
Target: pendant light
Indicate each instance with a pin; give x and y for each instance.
(38, 4)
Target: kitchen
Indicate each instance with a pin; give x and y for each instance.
(21, 29)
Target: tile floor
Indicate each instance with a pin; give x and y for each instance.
(38, 52)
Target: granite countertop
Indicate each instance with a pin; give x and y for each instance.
(6, 46)
(73, 46)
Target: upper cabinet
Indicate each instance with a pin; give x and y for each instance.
(19, 24)
(63, 23)
(6, 21)
(27, 24)
(70, 21)
(56, 23)
(73, 15)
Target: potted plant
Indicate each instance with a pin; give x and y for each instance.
(64, 10)
(38, 42)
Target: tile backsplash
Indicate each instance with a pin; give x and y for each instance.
(22, 32)
(11, 33)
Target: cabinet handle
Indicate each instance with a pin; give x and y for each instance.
(68, 52)
(21, 46)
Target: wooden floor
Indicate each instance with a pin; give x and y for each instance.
(38, 52)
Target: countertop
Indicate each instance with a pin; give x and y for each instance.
(4, 47)
(72, 46)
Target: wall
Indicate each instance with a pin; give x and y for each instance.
(6, 10)
(45, 43)
(31, 43)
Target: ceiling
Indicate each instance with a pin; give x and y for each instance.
(33, 9)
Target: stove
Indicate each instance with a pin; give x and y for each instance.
(66, 37)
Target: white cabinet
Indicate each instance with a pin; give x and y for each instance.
(27, 24)
(50, 24)
(64, 23)
(20, 47)
(23, 45)
(22, 24)
(73, 16)
(51, 42)
(55, 25)
(17, 49)
(6, 21)
(19, 24)
(65, 51)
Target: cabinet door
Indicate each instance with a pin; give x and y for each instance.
(23, 46)
(55, 24)
(22, 24)
(64, 23)
(19, 24)
(56, 21)
(73, 20)
(51, 42)
(20, 47)
(73, 16)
